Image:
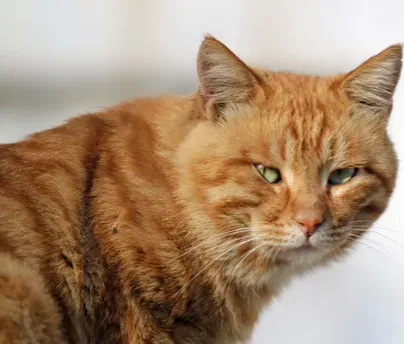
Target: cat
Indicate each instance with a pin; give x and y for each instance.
(177, 219)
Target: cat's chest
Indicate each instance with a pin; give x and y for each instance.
(212, 320)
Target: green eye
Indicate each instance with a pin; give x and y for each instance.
(342, 176)
(271, 175)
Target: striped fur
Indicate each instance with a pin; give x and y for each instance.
(148, 224)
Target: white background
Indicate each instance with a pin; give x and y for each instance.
(60, 58)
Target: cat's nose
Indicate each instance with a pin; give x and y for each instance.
(309, 224)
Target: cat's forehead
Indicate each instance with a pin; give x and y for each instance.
(305, 120)
(294, 83)
(298, 95)
(311, 131)
(311, 126)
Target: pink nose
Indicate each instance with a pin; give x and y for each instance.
(309, 225)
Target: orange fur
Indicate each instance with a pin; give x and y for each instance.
(147, 223)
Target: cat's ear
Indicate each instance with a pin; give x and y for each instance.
(224, 79)
(373, 83)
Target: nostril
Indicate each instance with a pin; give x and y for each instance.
(318, 224)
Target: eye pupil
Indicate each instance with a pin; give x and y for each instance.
(270, 174)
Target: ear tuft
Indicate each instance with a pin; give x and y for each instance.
(224, 78)
(373, 83)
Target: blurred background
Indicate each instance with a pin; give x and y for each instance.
(61, 58)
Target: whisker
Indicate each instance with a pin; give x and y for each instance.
(389, 229)
(225, 244)
(215, 237)
(381, 229)
(280, 247)
(380, 234)
(355, 249)
(216, 259)
(371, 240)
(367, 224)
(262, 237)
(222, 235)
(248, 253)
(234, 270)
(365, 230)
(395, 262)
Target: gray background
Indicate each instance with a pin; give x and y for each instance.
(61, 58)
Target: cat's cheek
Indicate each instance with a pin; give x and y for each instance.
(345, 201)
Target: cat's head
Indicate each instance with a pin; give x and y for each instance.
(286, 168)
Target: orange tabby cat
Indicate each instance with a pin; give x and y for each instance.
(176, 219)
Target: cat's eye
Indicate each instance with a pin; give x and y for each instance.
(342, 176)
(270, 174)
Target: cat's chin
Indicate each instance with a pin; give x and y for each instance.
(304, 256)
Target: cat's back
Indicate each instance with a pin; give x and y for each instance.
(44, 178)
(63, 189)
(40, 181)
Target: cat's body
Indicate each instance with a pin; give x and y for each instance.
(120, 227)
(103, 227)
